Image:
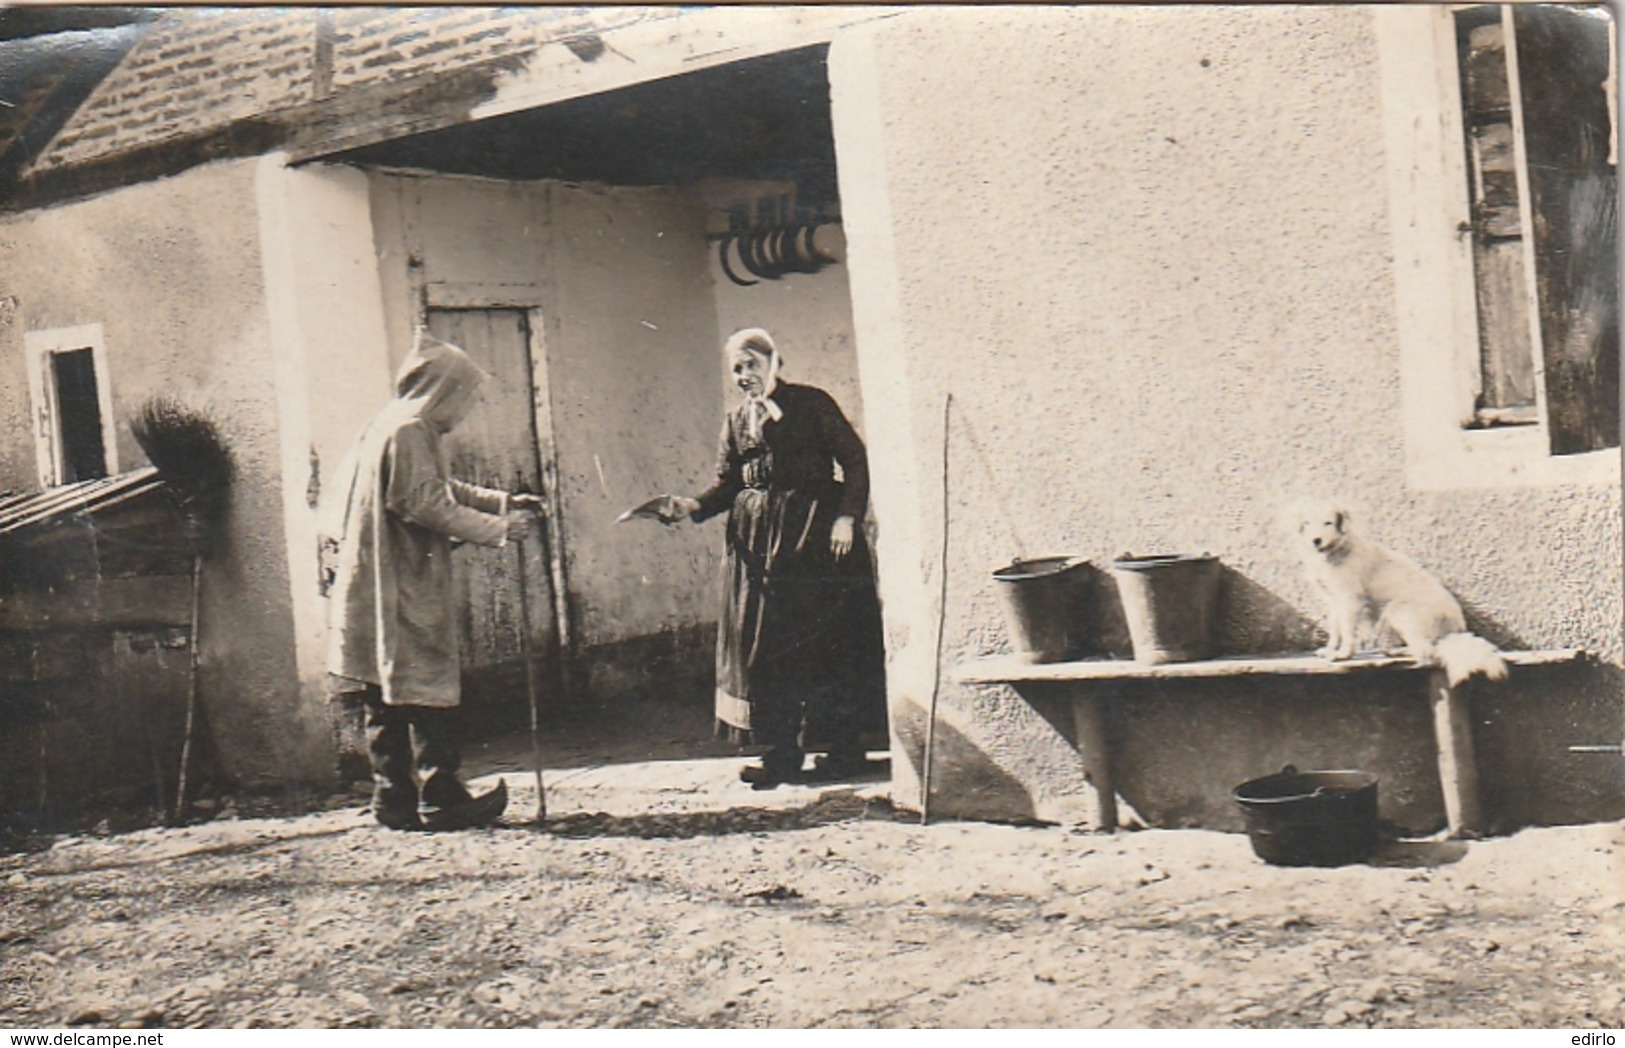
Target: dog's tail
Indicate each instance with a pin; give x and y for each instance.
(1464, 654)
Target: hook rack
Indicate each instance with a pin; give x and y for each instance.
(772, 252)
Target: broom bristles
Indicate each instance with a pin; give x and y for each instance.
(186, 447)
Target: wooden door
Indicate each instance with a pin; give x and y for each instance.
(496, 446)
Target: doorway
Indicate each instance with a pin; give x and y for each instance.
(509, 606)
(627, 242)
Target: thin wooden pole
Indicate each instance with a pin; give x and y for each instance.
(530, 686)
(48, 717)
(191, 691)
(942, 622)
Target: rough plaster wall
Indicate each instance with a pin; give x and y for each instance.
(631, 340)
(171, 271)
(1160, 292)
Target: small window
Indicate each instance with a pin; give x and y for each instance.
(1538, 139)
(79, 420)
(72, 406)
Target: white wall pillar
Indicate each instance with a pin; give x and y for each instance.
(904, 502)
(331, 352)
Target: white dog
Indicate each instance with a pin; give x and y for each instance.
(1360, 578)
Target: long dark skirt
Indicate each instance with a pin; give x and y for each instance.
(800, 632)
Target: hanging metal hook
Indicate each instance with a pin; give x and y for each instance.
(722, 256)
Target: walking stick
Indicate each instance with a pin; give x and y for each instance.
(530, 686)
(942, 621)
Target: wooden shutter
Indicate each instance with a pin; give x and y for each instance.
(1506, 391)
(1562, 66)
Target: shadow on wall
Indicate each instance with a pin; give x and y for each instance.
(1523, 729)
(1254, 621)
(1105, 629)
(1187, 744)
(1491, 630)
(1251, 619)
(673, 666)
(1195, 741)
(980, 788)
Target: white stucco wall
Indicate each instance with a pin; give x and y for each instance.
(1148, 251)
(181, 303)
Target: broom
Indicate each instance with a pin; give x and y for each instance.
(186, 447)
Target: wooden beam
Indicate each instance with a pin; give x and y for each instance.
(365, 116)
(441, 294)
(1014, 669)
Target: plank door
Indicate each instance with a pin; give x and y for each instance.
(496, 446)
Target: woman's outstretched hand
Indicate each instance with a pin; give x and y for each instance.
(677, 508)
(840, 537)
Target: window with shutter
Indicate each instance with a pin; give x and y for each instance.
(1501, 149)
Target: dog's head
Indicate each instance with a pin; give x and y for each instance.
(1321, 528)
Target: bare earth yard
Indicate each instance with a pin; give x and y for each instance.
(667, 894)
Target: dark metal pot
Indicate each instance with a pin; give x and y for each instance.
(1311, 818)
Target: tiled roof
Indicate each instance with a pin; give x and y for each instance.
(45, 78)
(194, 68)
(199, 70)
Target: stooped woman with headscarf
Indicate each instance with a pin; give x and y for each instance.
(392, 607)
(799, 640)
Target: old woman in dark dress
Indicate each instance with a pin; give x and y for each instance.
(799, 642)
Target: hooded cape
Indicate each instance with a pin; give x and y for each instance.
(393, 616)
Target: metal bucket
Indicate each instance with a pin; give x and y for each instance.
(1171, 605)
(1044, 602)
(1310, 818)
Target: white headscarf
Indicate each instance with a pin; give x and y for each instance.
(761, 407)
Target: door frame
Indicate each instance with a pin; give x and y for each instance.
(527, 297)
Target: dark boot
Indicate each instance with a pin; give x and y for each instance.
(389, 747)
(483, 810)
(778, 723)
(445, 802)
(833, 719)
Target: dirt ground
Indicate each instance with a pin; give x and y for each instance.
(664, 893)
